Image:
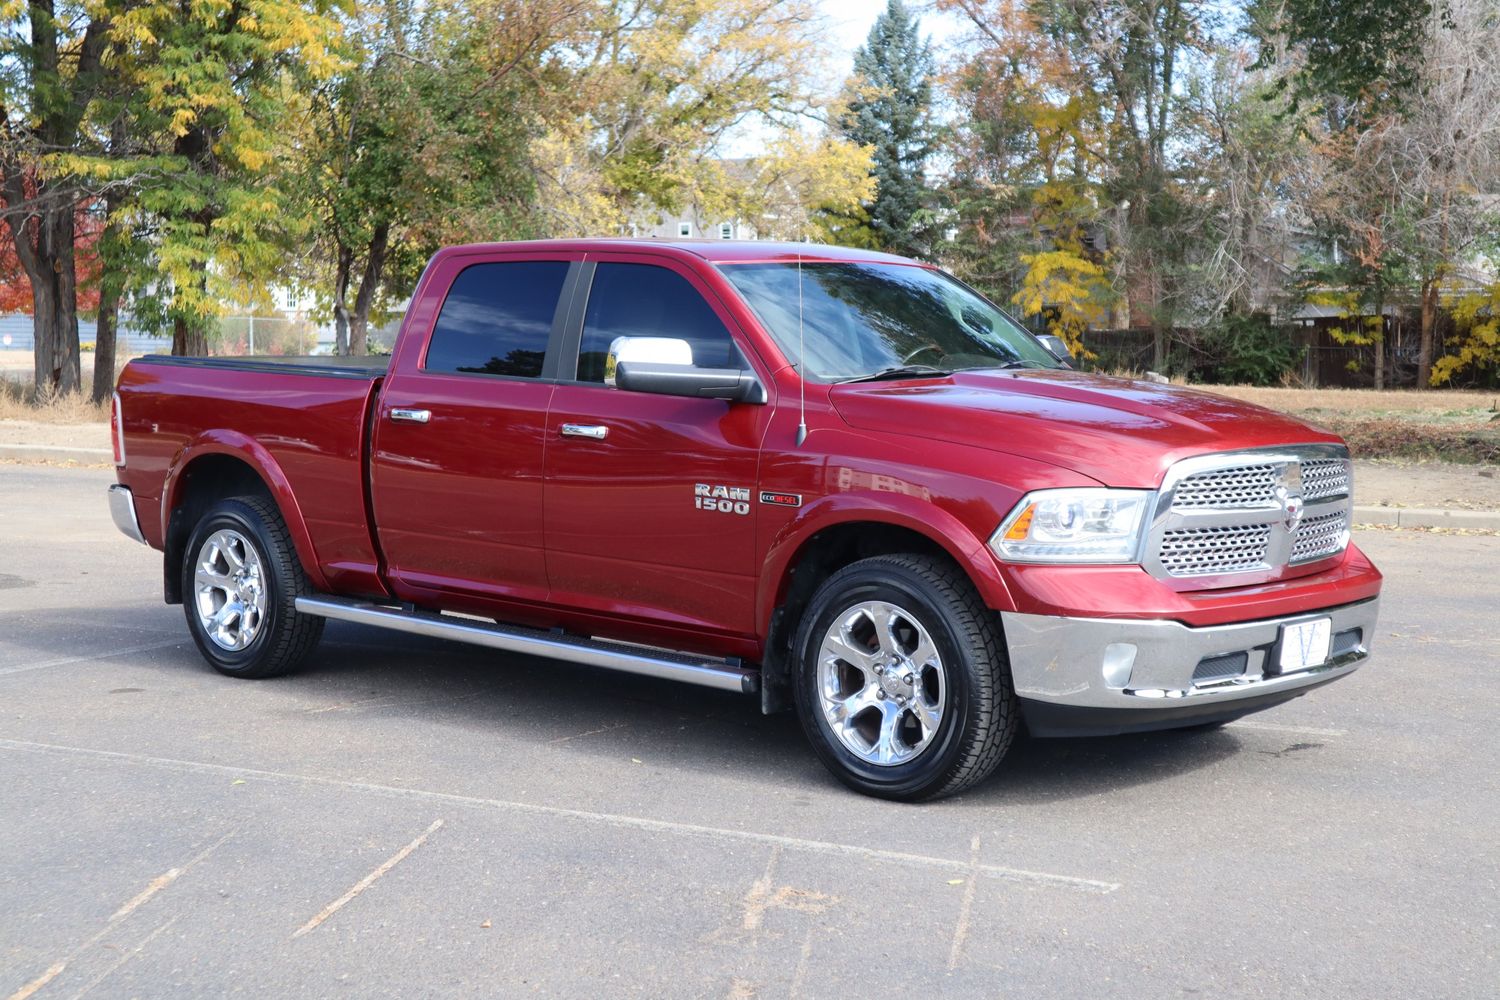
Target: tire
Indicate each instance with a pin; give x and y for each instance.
(240, 553)
(938, 723)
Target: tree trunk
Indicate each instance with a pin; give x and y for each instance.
(37, 242)
(359, 323)
(189, 340)
(341, 300)
(1429, 325)
(105, 328)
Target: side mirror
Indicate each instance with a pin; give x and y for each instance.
(1057, 347)
(732, 384)
(651, 350)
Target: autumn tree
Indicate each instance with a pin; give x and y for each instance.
(52, 66)
(657, 90)
(215, 89)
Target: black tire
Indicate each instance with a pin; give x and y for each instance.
(979, 717)
(283, 638)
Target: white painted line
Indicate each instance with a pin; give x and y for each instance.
(961, 931)
(1293, 730)
(65, 661)
(122, 960)
(367, 881)
(1019, 875)
(156, 885)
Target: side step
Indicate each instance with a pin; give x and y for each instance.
(535, 642)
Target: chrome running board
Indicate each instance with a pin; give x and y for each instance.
(644, 660)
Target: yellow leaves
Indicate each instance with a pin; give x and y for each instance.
(1069, 287)
(1477, 342)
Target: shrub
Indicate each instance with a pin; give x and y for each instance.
(1245, 350)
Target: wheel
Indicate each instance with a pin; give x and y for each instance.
(240, 582)
(903, 685)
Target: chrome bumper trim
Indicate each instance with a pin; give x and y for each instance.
(1078, 661)
(122, 509)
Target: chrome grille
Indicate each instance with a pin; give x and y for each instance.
(1325, 477)
(1321, 536)
(1210, 551)
(1238, 518)
(1245, 486)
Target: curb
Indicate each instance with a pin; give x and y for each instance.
(1426, 517)
(61, 454)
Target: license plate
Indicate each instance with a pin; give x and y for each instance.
(1305, 645)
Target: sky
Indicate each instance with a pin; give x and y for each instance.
(851, 20)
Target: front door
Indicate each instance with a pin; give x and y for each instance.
(649, 498)
(456, 472)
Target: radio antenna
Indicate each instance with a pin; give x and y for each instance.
(801, 360)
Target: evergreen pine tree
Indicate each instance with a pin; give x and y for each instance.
(891, 111)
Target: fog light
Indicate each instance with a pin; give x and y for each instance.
(1119, 660)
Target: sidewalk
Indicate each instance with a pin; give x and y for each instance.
(1386, 491)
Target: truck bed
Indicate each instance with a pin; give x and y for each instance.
(367, 366)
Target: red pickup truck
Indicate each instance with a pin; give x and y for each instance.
(839, 479)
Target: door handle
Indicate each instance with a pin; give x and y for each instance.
(410, 416)
(595, 432)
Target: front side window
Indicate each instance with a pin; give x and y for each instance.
(497, 318)
(861, 318)
(643, 300)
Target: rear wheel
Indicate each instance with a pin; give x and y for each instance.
(903, 687)
(240, 582)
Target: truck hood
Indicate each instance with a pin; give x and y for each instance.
(1120, 432)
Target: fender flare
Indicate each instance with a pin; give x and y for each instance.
(246, 449)
(896, 509)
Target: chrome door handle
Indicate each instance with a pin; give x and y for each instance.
(410, 416)
(595, 432)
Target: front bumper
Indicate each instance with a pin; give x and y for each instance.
(122, 509)
(1096, 676)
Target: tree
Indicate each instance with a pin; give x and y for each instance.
(52, 66)
(890, 110)
(1088, 105)
(215, 88)
(653, 88)
(425, 139)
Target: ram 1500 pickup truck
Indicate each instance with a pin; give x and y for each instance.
(840, 480)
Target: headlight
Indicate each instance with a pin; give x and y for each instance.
(1084, 525)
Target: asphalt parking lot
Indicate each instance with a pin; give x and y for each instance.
(415, 818)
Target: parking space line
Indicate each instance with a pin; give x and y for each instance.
(65, 661)
(961, 929)
(152, 888)
(1017, 875)
(367, 881)
(123, 959)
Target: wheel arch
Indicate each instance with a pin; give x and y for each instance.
(225, 466)
(847, 529)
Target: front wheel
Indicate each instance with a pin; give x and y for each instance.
(903, 686)
(240, 583)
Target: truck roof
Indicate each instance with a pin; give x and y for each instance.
(714, 251)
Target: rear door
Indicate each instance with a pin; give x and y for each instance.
(460, 435)
(630, 531)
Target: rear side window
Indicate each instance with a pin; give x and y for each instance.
(497, 318)
(643, 300)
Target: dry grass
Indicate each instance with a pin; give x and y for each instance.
(1437, 403)
(18, 401)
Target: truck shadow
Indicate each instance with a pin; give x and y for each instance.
(613, 715)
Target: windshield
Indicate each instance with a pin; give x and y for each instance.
(860, 319)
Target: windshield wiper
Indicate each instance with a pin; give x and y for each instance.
(901, 371)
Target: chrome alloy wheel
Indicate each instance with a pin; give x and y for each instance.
(881, 683)
(229, 589)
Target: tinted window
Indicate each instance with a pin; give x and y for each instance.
(497, 318)
(641, 300)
